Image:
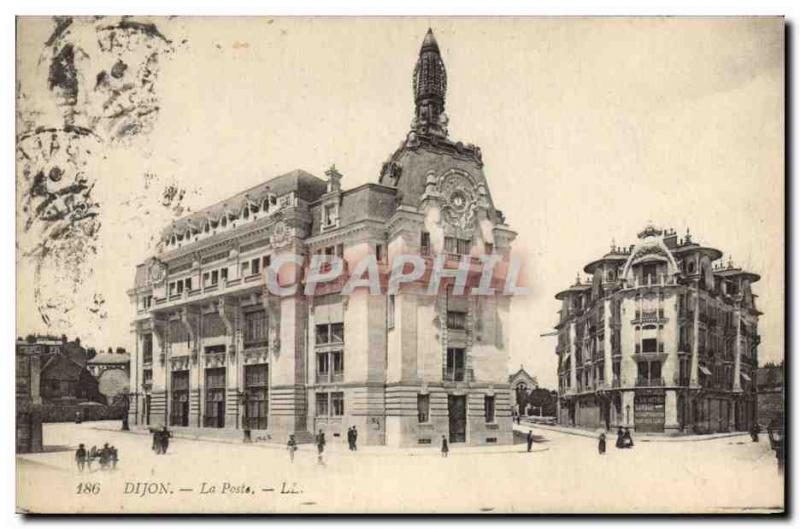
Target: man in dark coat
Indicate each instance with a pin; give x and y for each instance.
(529, 439)
(320, 441)
(350, 438)
(620, 436)
(445, 447)
(754, 431)
(601, 444)
(105, 456)
(355, 438)
(80, 457)
(164, 438)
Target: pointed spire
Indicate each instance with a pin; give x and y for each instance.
(429, 43)
(430, 87)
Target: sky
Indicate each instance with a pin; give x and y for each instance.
(589, 129)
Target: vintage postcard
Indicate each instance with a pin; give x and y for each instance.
(400, 265)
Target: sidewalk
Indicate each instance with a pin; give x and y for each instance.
(234, 437)
(643, 437)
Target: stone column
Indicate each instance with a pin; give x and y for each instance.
(671, 423)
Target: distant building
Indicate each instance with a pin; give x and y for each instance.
(659, 339)
(521, 381)
(770, 382)
(28, 410)
(64, 381)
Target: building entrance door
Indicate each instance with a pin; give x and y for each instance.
(457, 410)
(147, 409)
(220, 414)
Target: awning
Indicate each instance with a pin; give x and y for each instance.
(705, 370)
(745, 376)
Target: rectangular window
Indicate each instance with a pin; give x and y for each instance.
(337, 332)
(450, 245)
(456, 320)
(329, 214)
(329, 333)
(255, 328)
(649, 345)
(256, 396)
(455, 365)
(147, 348)
(337, 359)
(423, 408)
(323, 367)
(488, 248)
(224, 273)
(255, 266)
(464, 246)
(215, 277)
(322, 334)
(488, 408)
(337, 404)
(265, 262)
(379, 253)
(322, 404)
(206, 279)
(425, 243)
(246, 268)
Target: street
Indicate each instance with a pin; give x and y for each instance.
(563, 474)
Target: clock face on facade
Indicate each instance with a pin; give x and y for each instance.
(460, 200)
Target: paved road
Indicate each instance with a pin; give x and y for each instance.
(564, 474)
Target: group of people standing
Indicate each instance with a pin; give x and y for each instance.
(624, 440)
(106, 456)
(161, 440)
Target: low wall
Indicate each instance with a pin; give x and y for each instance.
(66, 413)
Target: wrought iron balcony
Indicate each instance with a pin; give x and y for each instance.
(649, 382)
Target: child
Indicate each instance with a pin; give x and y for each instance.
(445, 448)
(601, 445)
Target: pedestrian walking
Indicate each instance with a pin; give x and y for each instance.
(445, 448)
(620, 438)
(164, 438)
(291, 446)
(156, 440)
(114, 457)
(355, 439)
(78, 418)
(80, 457)
(601, 444)
(350, 438)
(320, 441)
(754, 431)
(529, 439)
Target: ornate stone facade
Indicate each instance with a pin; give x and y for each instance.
(659, 339)
(216, 349)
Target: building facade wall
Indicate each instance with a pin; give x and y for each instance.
(680, 335)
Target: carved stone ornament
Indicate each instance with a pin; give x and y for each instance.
(157, 271)
(459, 200)
(280, 234)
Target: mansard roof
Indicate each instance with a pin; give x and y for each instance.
(306, 186)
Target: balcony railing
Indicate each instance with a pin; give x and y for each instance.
(616, 382)
(459, 375)
(327, 378)
(649, 382)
